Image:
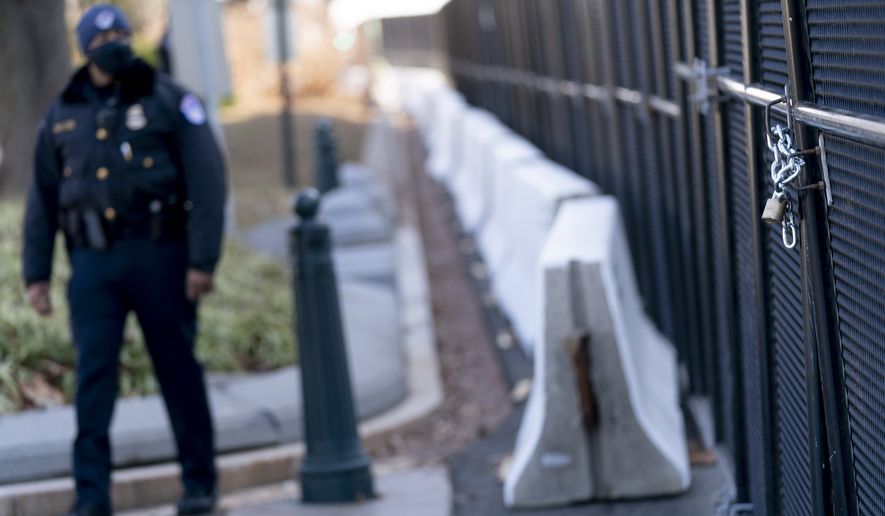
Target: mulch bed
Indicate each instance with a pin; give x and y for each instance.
(476, 393)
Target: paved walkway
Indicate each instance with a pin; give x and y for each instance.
(478, 489)
(419, 491)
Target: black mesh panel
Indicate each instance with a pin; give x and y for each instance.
(772, 45)
(848, 54)
(857, 226)
(848, 64)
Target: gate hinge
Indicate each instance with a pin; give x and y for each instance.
(702, 85)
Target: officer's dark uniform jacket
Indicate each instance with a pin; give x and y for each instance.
(140, 161)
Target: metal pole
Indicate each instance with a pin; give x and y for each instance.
(336, 469)
(287, 128)
(664, 141)
(819, 290)
(864, 128)
(685, 213)
(325, 157)
(650, 66)
(764, 352)
(726, 243)
(697, 187)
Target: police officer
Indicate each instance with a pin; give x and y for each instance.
(128, 169)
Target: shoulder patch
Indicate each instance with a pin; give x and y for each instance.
(192, 109)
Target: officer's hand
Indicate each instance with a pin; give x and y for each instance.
(38, 298)
(199, 284)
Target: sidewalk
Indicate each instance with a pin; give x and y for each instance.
(423, 491)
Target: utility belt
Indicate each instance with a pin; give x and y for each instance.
(89, 227)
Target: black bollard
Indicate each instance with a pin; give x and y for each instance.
(336, 469)
(325, 156)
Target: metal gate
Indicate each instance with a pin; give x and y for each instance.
(668, 105)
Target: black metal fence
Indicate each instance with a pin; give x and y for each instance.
(662, 103)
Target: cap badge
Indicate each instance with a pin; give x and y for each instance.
(104, 20)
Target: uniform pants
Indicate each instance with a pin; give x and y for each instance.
(147, 278)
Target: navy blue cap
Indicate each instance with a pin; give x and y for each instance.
(100, 18)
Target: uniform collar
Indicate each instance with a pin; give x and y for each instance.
(137, 81)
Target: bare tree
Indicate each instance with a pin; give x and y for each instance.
(34, 64)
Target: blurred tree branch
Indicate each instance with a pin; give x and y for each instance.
(35, 63)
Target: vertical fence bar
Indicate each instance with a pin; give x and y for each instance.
(749, 36)
(633, 181)
(731, 345)
(819, 296)
(686, 213)
(502, 16)
(527, 121)
(700, 229)
(551, 27)
(672, 300)
(664, 138)
(536, 49)
(611, 119)
(648, 174)
(579, 141)
(596, 73)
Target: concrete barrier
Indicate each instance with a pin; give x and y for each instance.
(415, 89)
(445, 167)
(473, 182)
(599, 346)
(532, 195)
(438, 109)
(494, 233)
(442, 135)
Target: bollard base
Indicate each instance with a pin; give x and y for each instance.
(344, 482)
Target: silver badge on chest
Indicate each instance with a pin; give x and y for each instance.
(135, 119)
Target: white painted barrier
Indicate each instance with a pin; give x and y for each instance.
(441, 135)
(472, 185)
(531, 196)
(494, 230)
(415, 88)
(636, 447)
(449, 167)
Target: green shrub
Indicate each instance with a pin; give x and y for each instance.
(245, 326)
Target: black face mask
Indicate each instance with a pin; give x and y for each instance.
(112, 57)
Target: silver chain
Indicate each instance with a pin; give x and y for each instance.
(785, 168)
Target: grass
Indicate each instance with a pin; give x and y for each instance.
(245, 326)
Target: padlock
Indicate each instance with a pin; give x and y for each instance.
(774, 211)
